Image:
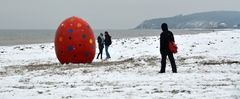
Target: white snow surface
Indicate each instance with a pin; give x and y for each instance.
(208, 67)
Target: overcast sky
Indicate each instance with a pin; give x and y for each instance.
(101, 14)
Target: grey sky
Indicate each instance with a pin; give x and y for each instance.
(101, 14)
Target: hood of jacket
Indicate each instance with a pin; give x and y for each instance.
(164, 27)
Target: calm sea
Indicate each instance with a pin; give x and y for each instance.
(16, 37)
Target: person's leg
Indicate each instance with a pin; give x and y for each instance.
(98, 54)
(163, 63)
(106, 50)
(101, 52)
(108, 53)
(172, 61)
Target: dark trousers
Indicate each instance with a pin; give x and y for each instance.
(172, 61)
(100, 52)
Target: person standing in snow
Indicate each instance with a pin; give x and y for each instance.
(100, 40)
(165, 37)
(108, 42)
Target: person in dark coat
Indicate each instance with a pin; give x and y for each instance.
(165, 37)
(100, 40)
(108, 42)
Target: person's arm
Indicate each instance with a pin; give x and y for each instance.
(172, 36)
(162, 43)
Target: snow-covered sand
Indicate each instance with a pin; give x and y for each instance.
(208, 67)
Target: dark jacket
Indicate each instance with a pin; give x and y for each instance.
(100, 42)
(165, 37)
(108, 40)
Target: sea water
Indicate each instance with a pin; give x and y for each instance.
(16, 37)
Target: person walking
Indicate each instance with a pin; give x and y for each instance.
(108, 42)
(165, 37)
(100, 40)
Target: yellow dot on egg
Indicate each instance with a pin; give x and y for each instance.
(79, 25)
(60, 39)
(72, 19)
(90, 41)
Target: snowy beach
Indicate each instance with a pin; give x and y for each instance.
(208, 67)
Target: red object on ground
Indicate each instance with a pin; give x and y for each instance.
(74, 41)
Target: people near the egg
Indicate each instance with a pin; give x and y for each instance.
(107, 42)
(100, 40)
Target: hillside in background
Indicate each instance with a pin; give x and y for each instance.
(203, 20)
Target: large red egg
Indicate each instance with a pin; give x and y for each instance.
(74, 41)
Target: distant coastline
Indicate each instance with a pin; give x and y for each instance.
(203, 20)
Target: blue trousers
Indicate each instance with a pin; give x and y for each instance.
(107, 53)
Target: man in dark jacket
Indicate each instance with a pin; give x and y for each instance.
(100, 40)
(108, 42)
(165, 37)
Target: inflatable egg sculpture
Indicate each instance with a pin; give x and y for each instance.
(74, 41)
